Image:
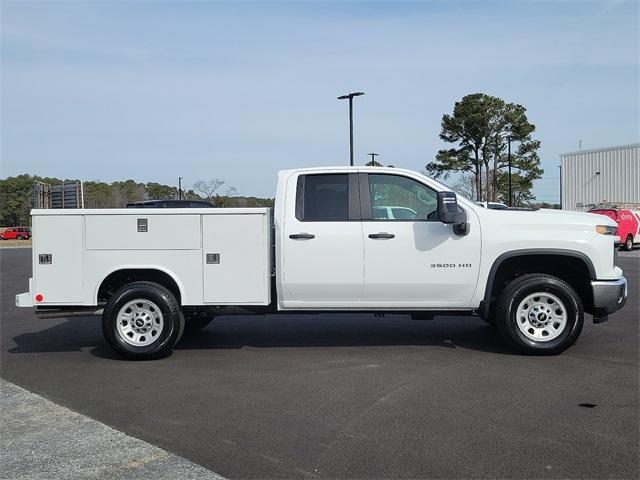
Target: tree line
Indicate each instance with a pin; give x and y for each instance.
(16, 195)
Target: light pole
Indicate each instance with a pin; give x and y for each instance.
(373, 158)
(350, 97)
(180, 188)
(509, 160)
(560, 167)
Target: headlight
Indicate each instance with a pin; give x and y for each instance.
(606, 230)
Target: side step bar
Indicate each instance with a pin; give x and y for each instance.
(64, 312)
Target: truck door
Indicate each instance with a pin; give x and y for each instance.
(411, 259)
(321, 247)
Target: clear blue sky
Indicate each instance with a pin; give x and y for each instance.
(237, 90)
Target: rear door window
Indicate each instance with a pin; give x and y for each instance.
(325, 197)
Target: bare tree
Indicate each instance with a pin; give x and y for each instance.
(208, 188)
(465, 185)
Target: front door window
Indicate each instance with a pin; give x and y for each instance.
(400, 198)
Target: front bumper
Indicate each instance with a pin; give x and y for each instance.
(608, 297)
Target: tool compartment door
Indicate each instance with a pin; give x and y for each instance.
(58, 258)
(236, 258)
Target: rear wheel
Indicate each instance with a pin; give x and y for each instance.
(142, 320)
(539, 315)
(628, 244)
(19, 237)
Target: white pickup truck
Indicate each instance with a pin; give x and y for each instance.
(354, 239)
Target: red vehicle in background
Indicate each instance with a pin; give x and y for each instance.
(628, 224)
(15, 233)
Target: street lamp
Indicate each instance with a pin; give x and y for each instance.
(560, 167)
(180, 188)
(373, 158)
(350, 97)
(509, 160)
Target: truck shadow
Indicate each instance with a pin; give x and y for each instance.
(351, 330)
(283, 331)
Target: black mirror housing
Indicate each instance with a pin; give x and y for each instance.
(450, 214)
(447, 207)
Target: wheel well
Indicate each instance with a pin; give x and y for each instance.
(121, 278)
(572, 270)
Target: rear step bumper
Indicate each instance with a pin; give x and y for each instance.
(25, 299)
(46, 311)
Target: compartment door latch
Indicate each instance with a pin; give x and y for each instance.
(143, 225)
(213, 258)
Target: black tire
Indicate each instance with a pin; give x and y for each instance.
(19, 237)
(628, 243)
(167, 336)
(195, 324)
(520, 289)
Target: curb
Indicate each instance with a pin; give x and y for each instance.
(41, 439)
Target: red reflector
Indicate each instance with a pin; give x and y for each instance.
(39, 297)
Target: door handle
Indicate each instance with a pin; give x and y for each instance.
(381, 235)
(302, 236)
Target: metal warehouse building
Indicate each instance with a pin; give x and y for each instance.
(600, 176)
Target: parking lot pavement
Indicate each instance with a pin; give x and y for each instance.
(43, 440)
(349, 396)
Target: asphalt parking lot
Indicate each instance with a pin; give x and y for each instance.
(348, 396)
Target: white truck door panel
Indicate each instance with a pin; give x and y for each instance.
(236, 259)
(424, 265)
(411, 259)
(324, 271)
(59, 278)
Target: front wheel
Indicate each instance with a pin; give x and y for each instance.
(539, 315)
(142, 320)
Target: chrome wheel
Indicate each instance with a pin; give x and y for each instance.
(541, 317)
(140, 322)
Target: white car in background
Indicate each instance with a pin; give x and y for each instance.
(394, 213)
(493, 205)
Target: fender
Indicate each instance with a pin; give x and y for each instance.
(138, 267)
(484, 304)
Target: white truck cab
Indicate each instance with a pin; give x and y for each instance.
(333, 242)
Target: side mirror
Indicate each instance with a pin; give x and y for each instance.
(447, 207)
(449, 213)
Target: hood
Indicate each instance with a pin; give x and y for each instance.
(549, 217)
(580, 217)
